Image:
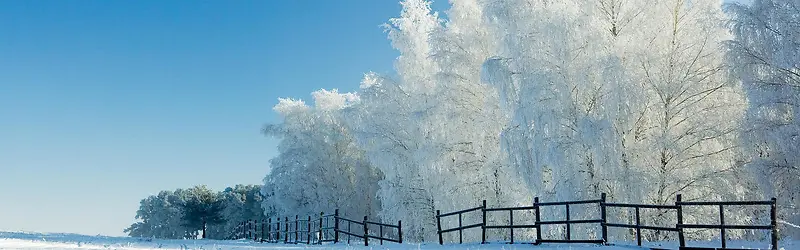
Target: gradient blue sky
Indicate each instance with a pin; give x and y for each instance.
(103, 103)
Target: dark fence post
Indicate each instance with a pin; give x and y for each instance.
(400, 231)
(366, 234)
(773, 214)
(439, 226)
(511, 223)
(483, 227)
(569, 227)
(336, 226)
(638, 228)
(538, 220)
(380, 232)
(286, 230)
(722, 223)
(681, 239)
(308, 234)
(603, 217)
(262, 229)
(296, 228)
(255, 230)
(321, 214)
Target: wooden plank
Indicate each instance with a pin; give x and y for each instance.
(724, 203)
(462, 228)
(641, 206)
(381, 224)
(701, 226)
(561, 203)
(570, 222)
(642, 227)
(572, 241)
(510, 208)
(460, 212)
(510, 226)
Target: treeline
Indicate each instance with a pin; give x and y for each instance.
(197, 212)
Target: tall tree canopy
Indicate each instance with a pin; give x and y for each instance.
(765, 55)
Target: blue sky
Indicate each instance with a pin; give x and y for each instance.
(103, 103)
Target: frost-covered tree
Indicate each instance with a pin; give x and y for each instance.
(239, 203)
(197, 212)
(319, 168)
(201, 208)
(434, 130)
(161, 216)
(766, 54)
(573, 74)
(557, 78)
(693, 108)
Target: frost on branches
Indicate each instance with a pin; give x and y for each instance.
(319, 167)
(766, 57)
(565, 100)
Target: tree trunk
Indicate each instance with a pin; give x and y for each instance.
(204, 229)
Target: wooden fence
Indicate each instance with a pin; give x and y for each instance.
(461, 227)
(601, 219)
(317, 230)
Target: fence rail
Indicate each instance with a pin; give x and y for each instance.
(461, 226)
(511, 226)
(328, 227)
(315, 230)
(365, 235)
(637, 225)
(773, 227)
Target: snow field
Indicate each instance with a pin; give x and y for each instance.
(27, 240)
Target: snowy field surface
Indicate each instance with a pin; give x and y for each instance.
(24, 240)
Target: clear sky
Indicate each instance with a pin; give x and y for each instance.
(103, 103)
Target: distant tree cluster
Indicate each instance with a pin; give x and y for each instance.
(197, 212)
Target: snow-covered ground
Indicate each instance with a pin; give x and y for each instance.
(24, 240)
